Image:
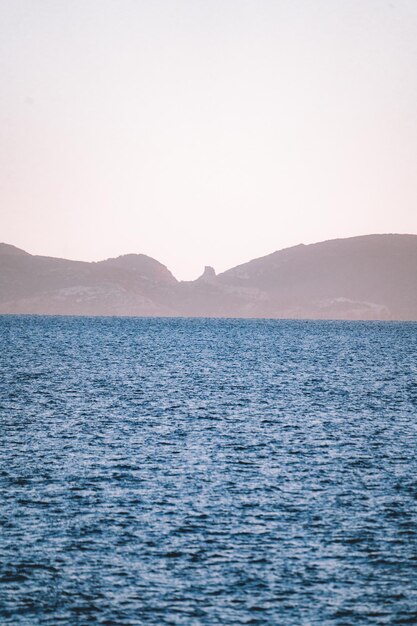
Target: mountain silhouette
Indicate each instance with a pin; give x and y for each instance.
(371, 277)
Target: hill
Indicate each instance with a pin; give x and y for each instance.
(361, 278)
(127, 285)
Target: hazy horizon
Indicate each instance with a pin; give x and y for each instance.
(205, 133)
(248, 259)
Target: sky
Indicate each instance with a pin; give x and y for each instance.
(205, 132)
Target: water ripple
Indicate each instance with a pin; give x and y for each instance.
(199, 472)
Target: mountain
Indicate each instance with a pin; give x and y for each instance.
(134, 284)
(367, 277)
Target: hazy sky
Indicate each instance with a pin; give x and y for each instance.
(205, 132)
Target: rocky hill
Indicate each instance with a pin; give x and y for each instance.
(368, 277)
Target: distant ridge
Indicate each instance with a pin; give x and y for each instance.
(6, 248)
(371, 277)
(142, 265)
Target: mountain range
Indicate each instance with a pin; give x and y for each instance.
(371, 277)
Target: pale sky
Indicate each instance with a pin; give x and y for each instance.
(205, 132)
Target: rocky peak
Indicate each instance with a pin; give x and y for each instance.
(208, 275)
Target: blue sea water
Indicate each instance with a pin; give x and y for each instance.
(199, 472)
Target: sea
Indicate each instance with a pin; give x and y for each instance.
(207, 472)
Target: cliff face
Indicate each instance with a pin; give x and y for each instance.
(369, 277)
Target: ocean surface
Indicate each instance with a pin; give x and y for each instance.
(185, 471)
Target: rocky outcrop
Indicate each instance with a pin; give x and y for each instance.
(208, 276)
(372, 277)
